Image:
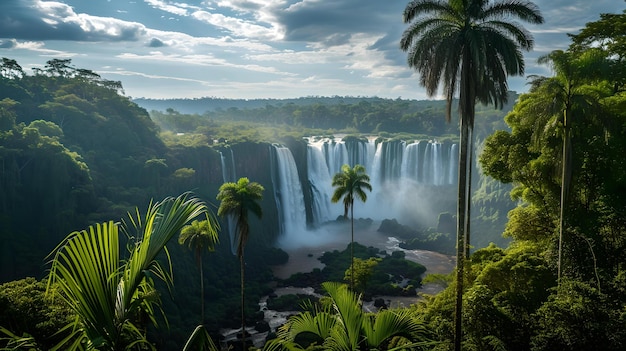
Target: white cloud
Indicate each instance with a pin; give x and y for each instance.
(238, 27)
(200, 60)
(176, 9)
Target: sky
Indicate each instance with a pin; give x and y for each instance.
(247, 49)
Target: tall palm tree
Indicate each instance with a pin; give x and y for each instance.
(568, 92)
(350, 183)
(339, 323)
(237, 199)
(199, 236)
(471, 46)
(109, 293)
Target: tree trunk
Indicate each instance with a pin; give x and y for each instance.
(565, 179)
(467, 102)
(352, 246)
(201, 292)
(468, 192)
(243, 316)
(460, 237)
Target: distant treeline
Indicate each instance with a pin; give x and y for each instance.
(359, 115)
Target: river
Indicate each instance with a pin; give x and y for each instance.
(303, 257)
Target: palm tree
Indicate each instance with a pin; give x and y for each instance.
(470, 46)
(237, 199)
(348, 183)
(110, 293)
(567, 91)
(197, 236)
(339, 323)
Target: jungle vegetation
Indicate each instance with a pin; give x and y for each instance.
(75, 151)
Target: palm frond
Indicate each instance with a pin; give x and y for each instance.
(200, 340)
(86, 268)
(107, 293)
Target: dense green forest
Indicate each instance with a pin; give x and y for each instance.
(75, 151)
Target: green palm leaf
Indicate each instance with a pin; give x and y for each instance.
(107, 293)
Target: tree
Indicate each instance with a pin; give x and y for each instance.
(198, 236)
(350, 183)
(27, 314)
(237, 199)
(339, 323)
(9, 68)
(110, 293)
(362, 270)
(568, 92)
(608, 34)
(472, 46)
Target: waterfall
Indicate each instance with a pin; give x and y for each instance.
(228, 167)
(321, 184)
(396, 168)
(453, 167)
(288, 192)
(399, 173)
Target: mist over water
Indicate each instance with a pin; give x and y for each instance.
(409, 183)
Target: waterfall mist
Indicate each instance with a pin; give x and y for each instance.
(412, 182)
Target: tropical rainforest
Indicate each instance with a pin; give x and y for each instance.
(77, 153)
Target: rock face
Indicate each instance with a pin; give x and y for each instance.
(392, 227)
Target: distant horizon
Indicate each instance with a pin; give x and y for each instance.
(250, 49)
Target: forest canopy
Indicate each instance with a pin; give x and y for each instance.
(74, 150)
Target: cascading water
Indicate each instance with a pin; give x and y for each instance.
(288, 195)
(399, 172)
(321, 185)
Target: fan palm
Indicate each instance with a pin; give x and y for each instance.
(108, 293)
(471, 46)
(340, 323)
(198, 236)
(350, 183)
(237, 199)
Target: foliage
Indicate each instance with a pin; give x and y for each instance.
(392, 275)
(530, 156)
(564, 157)
(339, 323)
(362, 270)
(236, 200)
(275, 119)
(577, 316)
(470, 46)
(290, 302)
(28, 313)
(200, 340)
(111, 295)
(350, 184)
(198, 236)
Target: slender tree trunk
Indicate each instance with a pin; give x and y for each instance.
(201, 292)
(352, 247)
(461, 235)
(243, 316)
(564, 186)
(468, 193)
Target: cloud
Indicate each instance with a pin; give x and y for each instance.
(155, 43)
(237, 27)
(8, 44)
(50, 20)
(321, 21)
(202, 60)
(179, 9)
